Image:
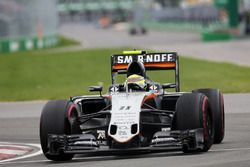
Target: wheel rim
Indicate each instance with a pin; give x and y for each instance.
(209, 125)
(207, 122)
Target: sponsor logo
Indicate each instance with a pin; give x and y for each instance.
(86, 143)
(125, 107)
(114, 89)
(122, 133)
(153, 87)
(101, 134)
(162, 140)
(123, 127)
(148, 58)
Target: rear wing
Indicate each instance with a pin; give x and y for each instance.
(151, 61)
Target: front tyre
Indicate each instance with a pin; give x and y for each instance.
(54, 121)
(192, 112)
(217, 107)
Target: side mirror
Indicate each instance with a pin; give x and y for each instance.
(168, 85)
(96, 89)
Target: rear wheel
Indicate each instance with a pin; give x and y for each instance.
(217, 107)
(54, 121)
(192, 112)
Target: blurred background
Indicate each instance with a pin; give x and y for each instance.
(34, 24)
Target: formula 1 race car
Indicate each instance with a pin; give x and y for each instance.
(136, 116)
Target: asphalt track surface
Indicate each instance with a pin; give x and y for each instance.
(19, 123)
(185, 43)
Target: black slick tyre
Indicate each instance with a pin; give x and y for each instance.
(54, 121)
(192, 112)
(217, 107)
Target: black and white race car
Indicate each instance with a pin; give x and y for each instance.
(136, 116)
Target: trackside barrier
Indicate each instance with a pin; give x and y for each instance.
(25, 44)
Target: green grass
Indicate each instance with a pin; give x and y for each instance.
(43, 75)
(67, 42)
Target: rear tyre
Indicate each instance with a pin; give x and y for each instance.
(217, 107)
(54, 121)
(192, 112)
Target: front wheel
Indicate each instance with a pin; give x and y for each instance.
(217, 108)
(192, 112)
(54, 121)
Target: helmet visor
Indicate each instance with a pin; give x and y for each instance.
(136, 81)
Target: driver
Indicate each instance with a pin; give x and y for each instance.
(137, 78)
(136, 82)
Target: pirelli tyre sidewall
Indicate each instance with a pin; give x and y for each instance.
(54, 120)
(217, 107)
(192, 112)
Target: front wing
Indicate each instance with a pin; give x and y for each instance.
(162, 141)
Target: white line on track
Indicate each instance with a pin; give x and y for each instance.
(25, 156)
(40, 161)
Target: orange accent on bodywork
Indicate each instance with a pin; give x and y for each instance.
(120, 66)
(160, 65)
(169, 64)
(151, 96)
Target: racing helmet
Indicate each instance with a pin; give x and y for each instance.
(136, 68)
(136, 82)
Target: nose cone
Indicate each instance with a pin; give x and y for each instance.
(125, 116)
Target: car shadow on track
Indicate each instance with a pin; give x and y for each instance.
(94, 158)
